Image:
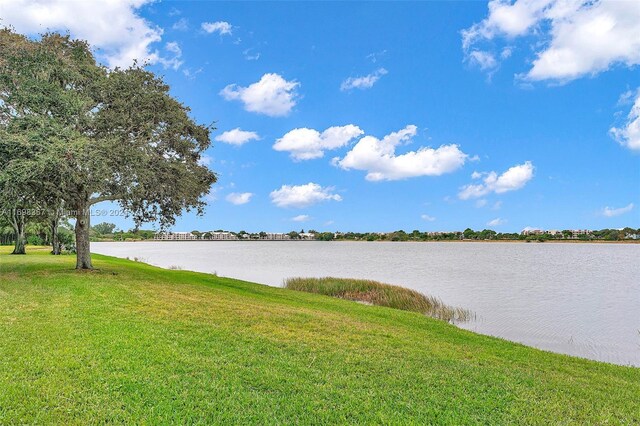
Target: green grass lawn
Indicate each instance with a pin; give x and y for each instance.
(131, 343)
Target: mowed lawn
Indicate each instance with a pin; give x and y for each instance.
(130, 343)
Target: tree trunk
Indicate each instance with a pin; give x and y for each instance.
(56, 248)
(17, 220)
(83, 246)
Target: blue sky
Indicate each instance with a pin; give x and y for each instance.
(504, 115)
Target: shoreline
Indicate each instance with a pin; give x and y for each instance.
(274, 275)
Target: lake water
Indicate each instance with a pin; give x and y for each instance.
(577, 299)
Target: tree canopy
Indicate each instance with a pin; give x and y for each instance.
(90, 134)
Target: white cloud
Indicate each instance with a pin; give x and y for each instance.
(364, 82)
(237, 137)
(514, 178)
(300, 196)
(220, 27)
(612, 212)
(481, 203)
(191, 74)
(378, 158)
(239, 198)
(505, 18)
(506, 52)
(181, 24)
(307, 144)
(174, 47)
(484, 60)
(113, 28)
(628, 97)
(496, 222)
(205, 160)
(174, 62)
(375, 56)
(301, 218)
(629, 134)
(576, 37)
(212, 195)
(250, 54)
(427, 218)
(272, 95)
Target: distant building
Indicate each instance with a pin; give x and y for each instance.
(175, 236)
(307, 236)
(219, 236)
(575, 233)
(276, 236)
(441, 233)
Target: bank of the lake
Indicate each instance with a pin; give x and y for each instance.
(132, 343)
(577, 299)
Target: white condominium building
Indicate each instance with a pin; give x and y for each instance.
(184, 236)
(219, 236)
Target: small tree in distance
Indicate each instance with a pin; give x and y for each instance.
(104, 228)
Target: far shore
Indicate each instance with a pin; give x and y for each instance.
(383, 241)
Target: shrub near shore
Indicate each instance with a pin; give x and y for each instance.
(380, 294)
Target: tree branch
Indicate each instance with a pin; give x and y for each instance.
(101, 198)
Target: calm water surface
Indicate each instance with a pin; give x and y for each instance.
(577, 299)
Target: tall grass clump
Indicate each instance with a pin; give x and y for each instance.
(380, 294)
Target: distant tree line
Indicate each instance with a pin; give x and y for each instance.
(401, 235)
(483, 235)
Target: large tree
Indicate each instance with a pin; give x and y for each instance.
(102, 135)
